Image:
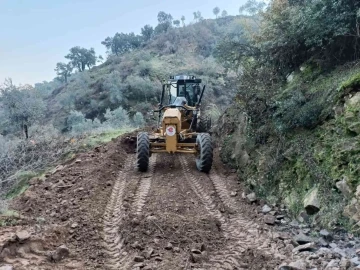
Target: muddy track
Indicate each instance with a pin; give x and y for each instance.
(243, 242)
(171, 217)
(113, 216)
(241, 233)
(144, 187)
(114, 212)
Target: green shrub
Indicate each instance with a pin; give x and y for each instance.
(138, 120)
(117, 118)
(352, 83)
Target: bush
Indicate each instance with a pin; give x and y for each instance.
(138, 120)
(113, 84)
(144, 68)
(44, 148)
(117, 118)
(78, 124)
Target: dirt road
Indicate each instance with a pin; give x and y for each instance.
(109, 216)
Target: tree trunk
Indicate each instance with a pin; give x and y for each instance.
(25, 128)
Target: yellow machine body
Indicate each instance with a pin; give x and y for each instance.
(175, 125)
(170, 125)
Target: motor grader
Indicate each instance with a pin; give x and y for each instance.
(181, 126)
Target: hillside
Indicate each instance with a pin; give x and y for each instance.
(133, 80)
(306, 142)
(293, 134)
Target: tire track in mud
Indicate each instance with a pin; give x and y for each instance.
(199, 191)
(114, 212)
(112, 217)
(217, 261)
(144, 188)
(238, 223)
(241, 233)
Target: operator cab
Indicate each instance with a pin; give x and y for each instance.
(183, 88)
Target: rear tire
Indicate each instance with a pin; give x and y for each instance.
(142, 151)
(204, 159)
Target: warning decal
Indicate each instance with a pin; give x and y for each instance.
(170, 130)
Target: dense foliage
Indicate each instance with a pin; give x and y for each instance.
(293, 127)
(294, 32)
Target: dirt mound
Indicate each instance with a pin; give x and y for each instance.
(67, 207)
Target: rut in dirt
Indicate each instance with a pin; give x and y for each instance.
(174, 217)
(114, 213)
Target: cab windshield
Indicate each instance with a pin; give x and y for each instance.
(183, 91)
(188, 91)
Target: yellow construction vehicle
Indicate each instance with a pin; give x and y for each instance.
(181, 127)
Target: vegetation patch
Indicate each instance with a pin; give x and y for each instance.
(103, 137)
(300, 97)
(352, 83)
(22, 183)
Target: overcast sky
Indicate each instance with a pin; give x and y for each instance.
(36, 34)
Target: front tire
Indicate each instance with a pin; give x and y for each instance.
(142, 151)
(204, 159)
(204, 123)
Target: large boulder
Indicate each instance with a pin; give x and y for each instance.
(353, 101)
(344, 188)
(312, 202)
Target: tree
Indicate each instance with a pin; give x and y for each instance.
(164, 17)
(147, 32)
(100, 59)
(224, 13)
(81, 58)
(216, 11)
(121, 43)
(183, 20)
(22, 105)
(176, 23)
(63, 71)
(197, 16)
(165, 22)
(294, 32)
(252, 7)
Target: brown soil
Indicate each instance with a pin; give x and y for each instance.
(110, 216)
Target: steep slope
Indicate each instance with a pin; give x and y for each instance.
(306, 141)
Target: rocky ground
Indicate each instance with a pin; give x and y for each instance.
(97, 212)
